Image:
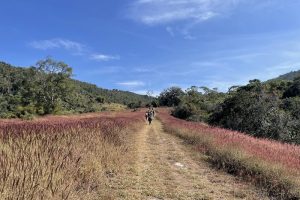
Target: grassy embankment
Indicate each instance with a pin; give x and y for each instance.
(268, 164)
(65, 158)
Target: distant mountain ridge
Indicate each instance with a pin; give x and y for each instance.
(288, 76)
(114, 95)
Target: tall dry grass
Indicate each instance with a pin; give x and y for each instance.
(66, 158)
(269, 164)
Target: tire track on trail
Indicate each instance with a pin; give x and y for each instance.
(165, 168)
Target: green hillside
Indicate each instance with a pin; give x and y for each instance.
(112, 96)
(49, 89)
(289, 76)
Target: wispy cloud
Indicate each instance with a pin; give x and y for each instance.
(58, 43)
(76, 48)
(153, 12)
(170, 31)
(284, 67)
(143, 70)
(131, 83)
(103, 57)
(189, 12)
(146, 92)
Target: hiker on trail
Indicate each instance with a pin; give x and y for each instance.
(150, 115)
(152, 110)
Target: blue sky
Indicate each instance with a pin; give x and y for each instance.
(142, 45)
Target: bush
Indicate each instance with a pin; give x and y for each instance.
(7, 115)
(293, 90)
(292, 105)
(183, 111)
(134, 105)
(27, 116)
(254, 111)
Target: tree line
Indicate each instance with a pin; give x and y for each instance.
(48, 88)
(263, 109)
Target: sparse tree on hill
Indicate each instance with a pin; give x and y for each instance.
(53, 78)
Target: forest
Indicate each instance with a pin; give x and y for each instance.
(48, 88)
(268, 109)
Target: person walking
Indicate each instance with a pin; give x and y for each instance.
(150, 115)
(146, 115)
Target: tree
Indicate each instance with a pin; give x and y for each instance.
(100, 99)
(50, 66)
(293, 90)
(253, 110)
(54, 80)
(170, 96)
(198, 103)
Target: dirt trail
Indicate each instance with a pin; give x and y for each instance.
(166, 168)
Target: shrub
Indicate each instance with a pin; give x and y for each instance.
(184, 111)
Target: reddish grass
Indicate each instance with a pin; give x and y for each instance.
(274, 152)
(266, 153)
(65, 157)
(54, 124)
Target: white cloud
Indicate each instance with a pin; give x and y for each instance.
(189, 12)
(75, 48)
(103, 57)
(143, 70)
(145, 92)
(132, 83)
(170, 31)
(58, 43)
(206, 63)
(153, 12)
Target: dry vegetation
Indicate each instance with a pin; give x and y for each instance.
(64, 158)
(268, 164)
(97, 156)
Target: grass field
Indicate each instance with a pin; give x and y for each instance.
(64, 157)
(116, 155)
(268, 164)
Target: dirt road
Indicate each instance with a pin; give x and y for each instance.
(166, 168)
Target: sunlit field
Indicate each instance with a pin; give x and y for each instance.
(64, 157)
(271, 165)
